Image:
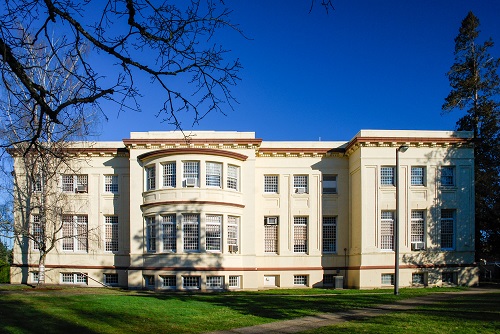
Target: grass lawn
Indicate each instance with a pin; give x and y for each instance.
(91, 310)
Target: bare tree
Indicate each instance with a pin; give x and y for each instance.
(42, 150)
(174, 44)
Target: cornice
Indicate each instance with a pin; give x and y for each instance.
(299, 152)
(198, 151)
(220, 143)
(153, 204)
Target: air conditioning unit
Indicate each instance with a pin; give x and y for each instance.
(191, 182)
(81, 188)
(418, 245)
(233, 248)
(271, 221)
(300, 190)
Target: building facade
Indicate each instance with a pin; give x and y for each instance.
(224, 210)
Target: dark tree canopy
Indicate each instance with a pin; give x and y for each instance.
(476, 90)
(171, 42)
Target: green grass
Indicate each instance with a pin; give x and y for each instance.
(27, 310)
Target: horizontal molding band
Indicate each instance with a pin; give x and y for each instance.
(197, 151)
(148, 205)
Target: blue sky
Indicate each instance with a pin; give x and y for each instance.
(312, 76)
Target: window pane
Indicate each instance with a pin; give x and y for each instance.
(169, 233)
(169, 175)
(271, 184)
(417, 226)
(417, 176)
(387, 176)
(151, 178)
(213, 232)
(151, 234)
(329, 234)
(191, 232)
(191, 173)
(271, 234)
(329, 184)
(447, 174)
(387, 230)
(213, 174)
(300, 234)
(233, 173)
(447, 228)
(111, 183)
(300, 184)
(111, 234)
(232, 230)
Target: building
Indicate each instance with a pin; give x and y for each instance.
(224, 210)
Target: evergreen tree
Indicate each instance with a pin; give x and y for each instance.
(476, 89)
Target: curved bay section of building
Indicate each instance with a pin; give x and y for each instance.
(190, 177)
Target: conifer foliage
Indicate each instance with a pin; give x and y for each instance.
(475, 89)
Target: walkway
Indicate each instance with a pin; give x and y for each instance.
(328, 319)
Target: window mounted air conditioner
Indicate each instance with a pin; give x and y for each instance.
(81, 188)
(271, 221)
(233, 248)
(300, 190)
(418, 246)
(191, 182)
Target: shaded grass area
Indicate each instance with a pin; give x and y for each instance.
(461, 314)
(100, 310)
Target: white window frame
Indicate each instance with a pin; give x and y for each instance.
(447, 229)
(111, 234)
(191, 170)
(417, 176)
(191, 282)
(72, 183)
(233, 177)
(387, 176)
(271, 234)
(37, 183)
(213, 233)
(111, 279)
(233, 233)
(234, 281)
(149, 282)
(213, 174)
(111, 184)
(150, 177)
(300, 280)
(36, 231)
(418, 279)
(271, 184)
(150, 223)
(447, 176)
(168, 281)
(215, 282)
(330, 185)
(387, 230)
(417, 226)
(191, 232)
(387, 279)
(301, 184)
(74, 278)
(329, 234)
(169, 174)
(169, 233)
(75, 233)
(300, 234)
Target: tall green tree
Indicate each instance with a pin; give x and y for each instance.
(475, 88)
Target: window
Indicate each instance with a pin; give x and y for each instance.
(271, 184)
(74, 183)
(169, 178)
(300, 184)
(74, 278)
(329, 234)
(447, 176)
(233, 173)
(387, 176)
(37, 183)
(417, 226)
(328, 279)
(387, 230)
(37, 231)
(191, 173)
(191, 282)
(329, 184)
(151, 234)
(387, 279)
(448, 277)
(74, 233)
(150, 178)
(271, 234)
(447, 229)
(149, 282)
(417, 279)
(191, 232)
(111, 233)
(213, 233)
(213, 174)
(215, 282)
(35, 276)
(168, 281)
(169, 233)
(300, 234)
(111, 279)
(111, 184)
(417, 176)
(300, 280)
(234, 281)
(233, 233)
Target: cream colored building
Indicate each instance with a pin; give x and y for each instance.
(224, 210)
